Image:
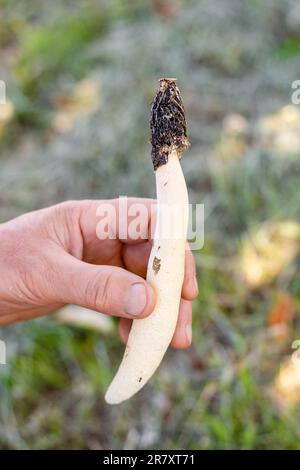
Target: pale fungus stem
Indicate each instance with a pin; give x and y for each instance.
(149, 338)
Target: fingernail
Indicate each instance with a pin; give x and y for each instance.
(196, 284)
(189, 333)
(136, 299)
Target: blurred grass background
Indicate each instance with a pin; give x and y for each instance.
(80, 77)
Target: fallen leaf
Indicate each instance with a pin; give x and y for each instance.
(267, 252)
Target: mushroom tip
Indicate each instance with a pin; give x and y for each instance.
(168, 79)
(165, 82)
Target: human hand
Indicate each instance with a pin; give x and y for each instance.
(53, 257)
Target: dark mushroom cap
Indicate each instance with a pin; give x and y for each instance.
(167, 123)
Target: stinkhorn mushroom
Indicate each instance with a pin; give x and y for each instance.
(149, 338)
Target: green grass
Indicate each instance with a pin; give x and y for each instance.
(289, 48)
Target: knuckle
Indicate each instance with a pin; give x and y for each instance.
(65, 226)
(66, 210)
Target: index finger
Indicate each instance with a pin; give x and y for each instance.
(127, 220)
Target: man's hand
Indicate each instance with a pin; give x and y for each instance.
(53, 257)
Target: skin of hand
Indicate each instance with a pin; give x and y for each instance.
(53, 257)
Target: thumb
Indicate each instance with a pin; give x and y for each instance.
(106, 289)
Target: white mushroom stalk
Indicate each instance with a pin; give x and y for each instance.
(149, 338)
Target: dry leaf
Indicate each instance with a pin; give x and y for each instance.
(280, 131)
(286, 388)
(267, 252)
(83, 100)
(280, 317)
